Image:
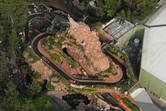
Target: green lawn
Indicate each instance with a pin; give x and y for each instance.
(56, 57)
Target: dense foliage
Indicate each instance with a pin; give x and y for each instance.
(130, 104)
(49, 86)
(130, 9)
(13, 100)
(127, 9)
(13, 14)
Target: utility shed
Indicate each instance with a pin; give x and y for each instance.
(119, 31)
(153, 63)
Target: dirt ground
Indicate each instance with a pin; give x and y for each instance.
(45, 71)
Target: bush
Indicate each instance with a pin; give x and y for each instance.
(96, 26)
(49, 86)
(36, 75)
(55, 75)
(32, 55)
(68, 44)
(44, 42)
(102, 75)
(80, 46)
(70, 61)
(39, 102)
(65, 82)
(130, 104)
(109, 70)
(48, 106)
(62, 39)
(58, 44)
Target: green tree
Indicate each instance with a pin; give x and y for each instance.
(130, 9)
(123, 14)
(34, 88)
(112, 7)
(128, 16)
(13, 14)
(142, 8)
(10, 101)
(48, 106)
(4, 72)
(40, 101)
(4, 76)
(49, 86)
(100, 12)
(28, 105)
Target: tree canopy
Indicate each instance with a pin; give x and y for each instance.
(34, 88)
(13, 100)
(13, 15)
(4, 72)
(129, 9)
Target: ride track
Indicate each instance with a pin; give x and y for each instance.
(59, 69)
(65, 74)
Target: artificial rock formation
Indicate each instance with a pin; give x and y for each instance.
(81, 32)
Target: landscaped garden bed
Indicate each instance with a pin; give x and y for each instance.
(130, 104)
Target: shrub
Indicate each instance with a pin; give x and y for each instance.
(32, 55)
(36, 75)
(49, 86)
(39, 102)
(130, 105)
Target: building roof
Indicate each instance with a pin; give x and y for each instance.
(141, 97)
(154, 45)
(117, 28)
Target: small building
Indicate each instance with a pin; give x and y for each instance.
(119, 31)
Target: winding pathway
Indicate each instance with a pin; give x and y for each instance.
(59, 69)
(65, 74)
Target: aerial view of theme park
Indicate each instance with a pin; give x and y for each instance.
(71, 55)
